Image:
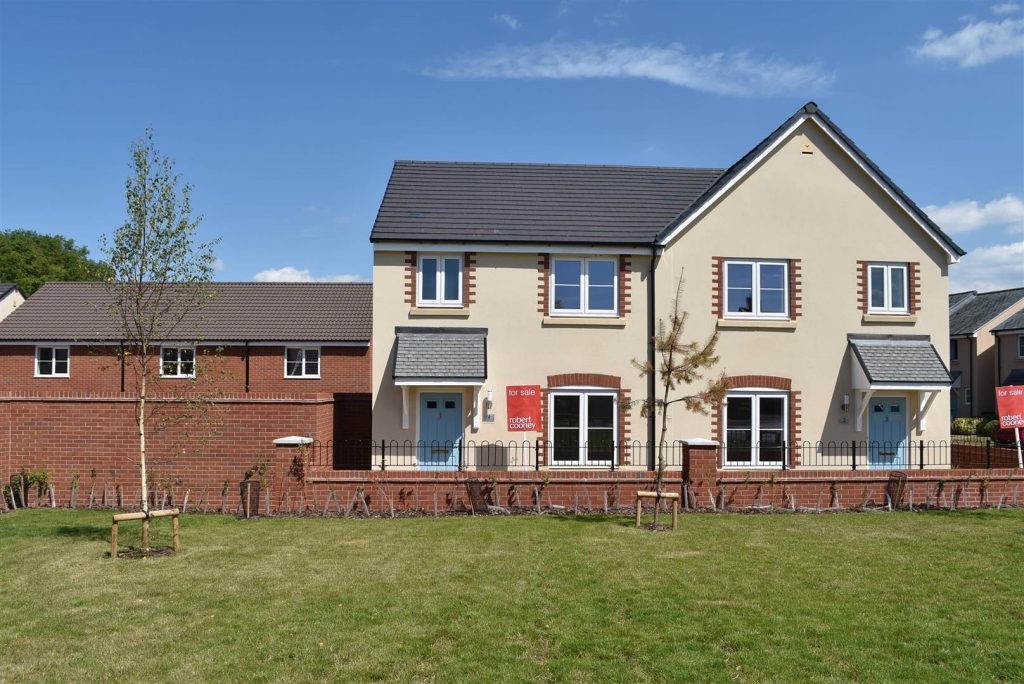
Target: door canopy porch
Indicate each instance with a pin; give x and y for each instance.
(907, 363)
(439, 357)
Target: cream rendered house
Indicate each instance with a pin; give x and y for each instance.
(826, 283)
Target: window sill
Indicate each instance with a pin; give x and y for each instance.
(756, 323)
(440, 311)
(898, 319)
(583, 321)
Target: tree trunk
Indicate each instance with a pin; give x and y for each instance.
(142, 443)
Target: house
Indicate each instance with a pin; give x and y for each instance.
(11, 298)
(1009, 345)
(978, 365)
(269, 360)
(510, 301)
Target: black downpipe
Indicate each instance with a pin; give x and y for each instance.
(122, 366)
(651, 384)
(247, 367)
(974, 350)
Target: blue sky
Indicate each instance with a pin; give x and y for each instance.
(286, 116)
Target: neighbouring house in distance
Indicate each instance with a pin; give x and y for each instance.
(10, 299)
(271, 360)
(1009, 344)
(975, 361)
(826, 283)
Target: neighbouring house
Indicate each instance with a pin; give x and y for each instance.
(510, 301)
(11, 298)
(271, 360)
(1009, 344)
(977, 363)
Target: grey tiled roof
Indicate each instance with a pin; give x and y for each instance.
(267, 312)
(972, 313)
(440, 353)
(900, 359)
(958, 299)
(1014, 322)
(561, 203)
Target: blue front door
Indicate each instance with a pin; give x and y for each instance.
(887, 432)
(440, 430)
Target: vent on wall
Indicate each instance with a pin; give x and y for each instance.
(807, 148)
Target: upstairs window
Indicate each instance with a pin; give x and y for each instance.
(53, 362)
(440, 280)
(1020, 346)
(302, 362)
(888, 288)
(756, 289)
(584, 286)
(178, 362)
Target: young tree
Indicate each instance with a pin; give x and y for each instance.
(160, 274)
(679, 365)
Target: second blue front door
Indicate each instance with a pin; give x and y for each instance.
(887, 432)
(440, 430)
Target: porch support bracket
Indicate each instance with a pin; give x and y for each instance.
(862, 398)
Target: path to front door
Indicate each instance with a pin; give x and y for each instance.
(887, 433)
(440, 430)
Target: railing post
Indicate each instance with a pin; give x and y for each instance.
(459, 446)
(920, 449)
(536, 455)
(615, 451)
(988, 454)
(853, 451)
(383, 454)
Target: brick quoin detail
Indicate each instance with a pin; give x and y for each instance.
(717, 283)
(411, 267)
(543, 278)
(625, 296)
(763, 382)
(469, 279)
(913, 287)
(795, 289)
(862, 286)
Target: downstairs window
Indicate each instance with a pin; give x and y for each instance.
(755, 429)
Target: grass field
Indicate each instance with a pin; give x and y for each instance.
(857, 597)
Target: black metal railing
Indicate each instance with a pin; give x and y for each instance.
(464, 455)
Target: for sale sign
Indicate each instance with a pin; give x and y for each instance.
(523, 407)
(1010, 402)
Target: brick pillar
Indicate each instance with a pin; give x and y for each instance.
(700, 461)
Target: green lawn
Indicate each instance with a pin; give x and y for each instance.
(857, 597)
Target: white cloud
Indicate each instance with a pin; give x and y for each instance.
(989, 268)
(218, 265)
(508, 20)
(961, 216)
(1005, 8)
(976, 44)
(735, 73)
(288, 274)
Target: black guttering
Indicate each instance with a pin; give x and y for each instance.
(651, 358)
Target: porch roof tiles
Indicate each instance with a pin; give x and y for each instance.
(440, 354)
(899, 360)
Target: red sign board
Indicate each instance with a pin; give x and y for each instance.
(1010, 401)
(523, 408)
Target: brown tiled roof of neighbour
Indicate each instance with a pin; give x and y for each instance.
(238, 312)
(549, 203)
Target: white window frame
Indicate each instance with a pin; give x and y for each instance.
(53, 361)
(304, 375)
(585, 309)
(755, 428)
(887, 307)
(177, 363)
(1020, 346)
(439, 301)
(582, 393)
(755, 265)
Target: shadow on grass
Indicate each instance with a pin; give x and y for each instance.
(622, 520)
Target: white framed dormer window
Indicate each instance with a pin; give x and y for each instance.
(302, 362)
(756, 423)
(583, 427)
(887, 284)
(439, 280)
(756, 288)
(584, 286)
(177, 362)
(53, 362)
